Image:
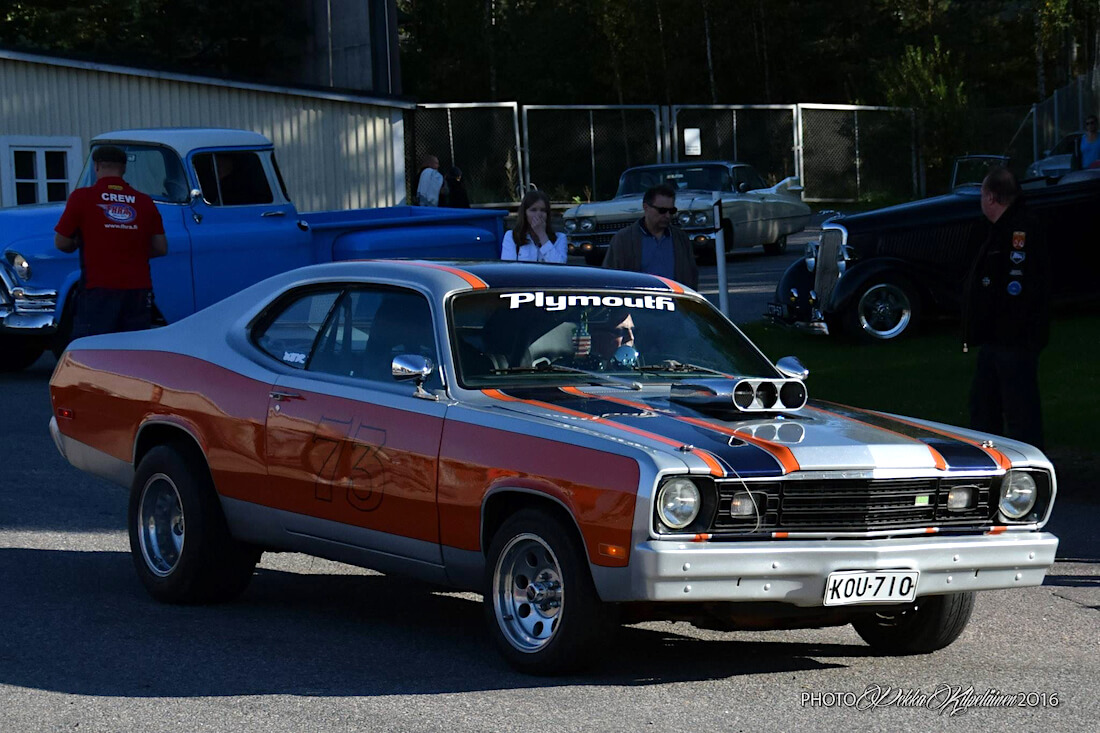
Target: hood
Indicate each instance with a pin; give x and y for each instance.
(819, 437)
(22, 222)
(631, 204)
(964, 203)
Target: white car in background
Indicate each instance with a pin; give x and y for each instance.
(753, 213)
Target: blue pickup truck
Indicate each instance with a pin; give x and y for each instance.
(229, 223)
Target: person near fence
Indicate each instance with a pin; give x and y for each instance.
(1090, 144)
(533, 239)
(456, 198)
(117, 230)
(1006, 311)
(652, 244)
(430, 185)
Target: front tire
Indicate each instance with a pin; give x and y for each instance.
(928, 625)
(19, 352)
(884, 310)
(541, 605)
(179, 540)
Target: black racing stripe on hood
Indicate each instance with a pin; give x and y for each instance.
(959, 455)
(738, 457)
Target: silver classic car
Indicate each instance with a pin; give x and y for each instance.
(581, 446)
(753, 213)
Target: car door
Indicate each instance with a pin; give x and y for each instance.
(348, 445)
(243, 226)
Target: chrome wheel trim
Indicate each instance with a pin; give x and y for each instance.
(884, 311)
(161, 528)
(528, 595)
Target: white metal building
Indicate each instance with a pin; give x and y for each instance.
(336, 151)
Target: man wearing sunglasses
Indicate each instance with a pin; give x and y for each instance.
(652, 244)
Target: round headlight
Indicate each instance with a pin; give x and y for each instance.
(1018, 494)
(20, 265)
(700, 219)
(683, 218)
(678, 503)
(570, 225)
(587, 225)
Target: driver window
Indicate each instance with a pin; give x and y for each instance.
(368, 327)
(232, 178)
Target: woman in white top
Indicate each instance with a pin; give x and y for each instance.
(536, 237)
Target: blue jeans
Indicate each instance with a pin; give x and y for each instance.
(102, 310)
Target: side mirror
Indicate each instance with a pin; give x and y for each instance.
(413, 367)
(742, 187)
(790, 366)
(195, 195)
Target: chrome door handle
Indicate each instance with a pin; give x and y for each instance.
(279, 396)
(273, 213)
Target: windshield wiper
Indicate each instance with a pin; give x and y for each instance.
(671, 365)
(546, 366)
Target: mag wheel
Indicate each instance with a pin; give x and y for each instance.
(541, 605)
(885, 310)
(929, 624)
(179, 540)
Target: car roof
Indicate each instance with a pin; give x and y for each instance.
(692, 164)
(185, 139)
(442, 277)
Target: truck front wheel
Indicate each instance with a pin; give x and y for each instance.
(928, 625)
(541, 606)
(19, 352)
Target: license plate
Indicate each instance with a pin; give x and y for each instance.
(775, 309)
(846, 587)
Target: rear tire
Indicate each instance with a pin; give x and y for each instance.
(928, 625)
(541, 605)
(19, 352)
(777, 247)
(179, 540)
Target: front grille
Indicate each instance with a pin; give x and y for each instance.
(826, 270)
(852, 505)
(612, 226)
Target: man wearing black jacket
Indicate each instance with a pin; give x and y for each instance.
(1006, 311)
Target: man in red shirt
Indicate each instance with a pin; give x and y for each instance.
(119, 230)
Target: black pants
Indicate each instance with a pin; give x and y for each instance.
(1004, 397)
(102, 310)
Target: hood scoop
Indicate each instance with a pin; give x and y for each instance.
(743, 395)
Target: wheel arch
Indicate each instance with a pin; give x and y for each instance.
(503, 501)
(851, 284)
(160, 431)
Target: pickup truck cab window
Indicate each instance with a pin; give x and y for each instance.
(151, 169)
(232, 178)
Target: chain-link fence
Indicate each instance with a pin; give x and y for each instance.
(842, 153)
(578, 153)
(763, 136)
(482, 140)
(858, 153)
(1064, 112)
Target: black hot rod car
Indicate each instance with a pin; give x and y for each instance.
(877, 274)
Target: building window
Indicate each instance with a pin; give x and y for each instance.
(37, 170)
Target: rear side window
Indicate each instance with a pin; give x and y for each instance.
(232, 178)
(289, 334)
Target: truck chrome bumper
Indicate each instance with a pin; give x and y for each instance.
(795, 572)
(26, 310)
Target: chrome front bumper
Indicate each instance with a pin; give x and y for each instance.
(795, 571)
(26, 310)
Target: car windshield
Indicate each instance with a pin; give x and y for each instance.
(558, 336)
(679, 177)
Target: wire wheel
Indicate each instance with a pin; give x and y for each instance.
(161, 531)
(528, 593)
(884, 311)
